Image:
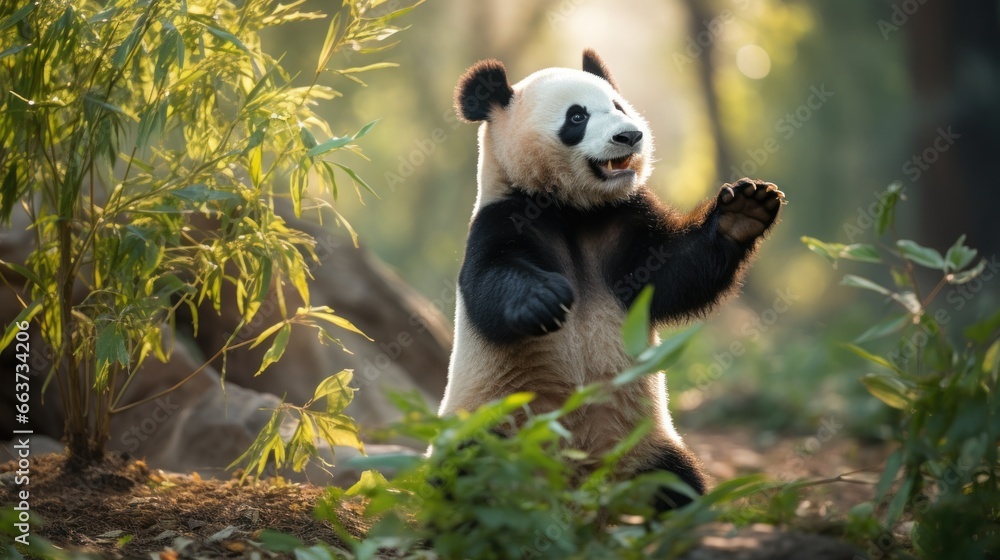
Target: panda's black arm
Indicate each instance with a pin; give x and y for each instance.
(510, 281)
(690, 262)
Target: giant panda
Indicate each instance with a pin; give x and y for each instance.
(563, 236)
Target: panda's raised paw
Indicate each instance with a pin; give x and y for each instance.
(542, 309)
(747, 208)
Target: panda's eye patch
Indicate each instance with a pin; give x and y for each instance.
(577, 115)
(575, 127)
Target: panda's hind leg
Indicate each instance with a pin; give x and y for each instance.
(677, 459)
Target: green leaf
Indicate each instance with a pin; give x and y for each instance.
(357, 180)
(892, 466)
(864, 252)
(861, 352)
(329, 43)
(888, 389)
(886, 214)
(226, 36)
(863, 283)
(829, 251)
(329, 145)
(326, 314)
(277, 348)
(924, 256)
(19, 15)
(370, 480)
(991, 360)
(364, 129)
(375, 66)
(959, 278)
(11, 51)
(959, 256)
(884, 328)
(128, 45)
(26, 314)
(267, 333)
(337, 390)
(635, 329)
(658, 358)
(900, 500)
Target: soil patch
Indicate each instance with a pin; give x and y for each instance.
(122, 509)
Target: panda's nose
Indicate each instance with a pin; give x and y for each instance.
(629, 137)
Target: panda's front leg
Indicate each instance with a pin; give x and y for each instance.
(514, 298)
(538, 304)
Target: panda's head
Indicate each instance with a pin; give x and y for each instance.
(565, 132)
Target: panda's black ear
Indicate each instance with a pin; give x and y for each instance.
(594, 65)
(483, 88)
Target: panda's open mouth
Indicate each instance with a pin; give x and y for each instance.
(611, 168)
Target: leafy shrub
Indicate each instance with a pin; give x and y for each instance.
(120, 122)
(945, 476)
(482, 496)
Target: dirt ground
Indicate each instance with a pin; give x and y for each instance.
(125, 510)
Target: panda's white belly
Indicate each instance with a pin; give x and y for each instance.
(588, 349)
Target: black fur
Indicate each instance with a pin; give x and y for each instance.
(515, 285)
(681, 462)
(593, 64)
(571, 133)
(482, 88)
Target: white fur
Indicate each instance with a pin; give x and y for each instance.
(519, 147)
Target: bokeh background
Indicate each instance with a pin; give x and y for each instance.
(833, 101)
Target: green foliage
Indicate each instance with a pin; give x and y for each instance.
(945, 476)
(311, 424)
(529, 495)
(125, 124)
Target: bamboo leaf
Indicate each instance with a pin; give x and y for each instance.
(375, 66)
(658, 358)
(357, 180)
(862, 353)
(337, 391)
(277, 348)
(888, 389)
(18, 15)
(635, 329)
(267, 333)
(226, 36)
(326, 314)
(26, 314)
